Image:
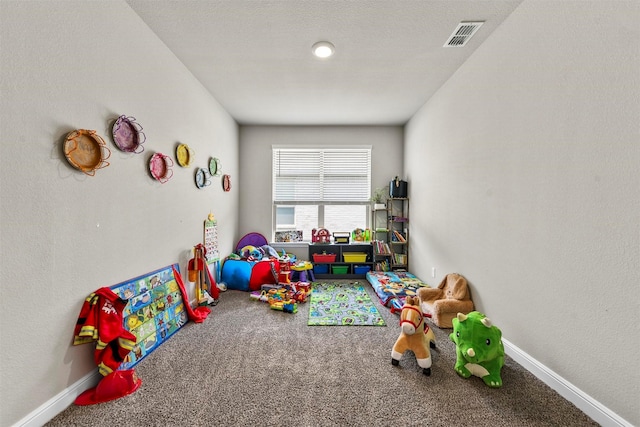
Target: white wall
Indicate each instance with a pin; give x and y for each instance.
(77, 64)
(523, 174)
(255, 152)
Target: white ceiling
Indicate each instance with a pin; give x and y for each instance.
(254, 56)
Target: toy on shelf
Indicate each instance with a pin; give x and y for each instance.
(320, 236)
(479, 348)
(341, 236)
(360, 235)
(415, 335)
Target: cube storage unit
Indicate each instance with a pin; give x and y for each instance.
(341, 261)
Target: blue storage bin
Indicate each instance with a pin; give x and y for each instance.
(321, 269)
(361, 269)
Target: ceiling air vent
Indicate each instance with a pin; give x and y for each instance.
(462, 34)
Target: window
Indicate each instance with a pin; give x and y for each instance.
(286, 217)
(321, 188)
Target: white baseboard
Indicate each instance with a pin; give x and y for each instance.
(59, 402)
(594, 409)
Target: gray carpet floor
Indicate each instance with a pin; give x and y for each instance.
(247, 365)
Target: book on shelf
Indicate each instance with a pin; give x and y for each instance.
(381, 247)
(400, 259)
(398, 237)
(382, 266)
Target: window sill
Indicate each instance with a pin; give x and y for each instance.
(289, 244)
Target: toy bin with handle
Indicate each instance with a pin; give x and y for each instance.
(327, 258)
(354, 257)
(339, 269)
(361, 269)
(320, 269)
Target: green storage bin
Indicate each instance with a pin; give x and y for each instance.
(339, 269)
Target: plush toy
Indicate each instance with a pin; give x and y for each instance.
(246, 251)
(269, 252)
(258, 253)
(415, 335)
(479, 348)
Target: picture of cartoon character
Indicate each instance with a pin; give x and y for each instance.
(128, 293)
(137, 351)
(133, 321)
(162, 328)
(155, 281)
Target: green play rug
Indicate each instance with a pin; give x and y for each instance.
(342, 304)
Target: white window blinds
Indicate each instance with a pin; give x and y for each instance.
(321, 175)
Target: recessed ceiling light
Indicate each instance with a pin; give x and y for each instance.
(323, 49)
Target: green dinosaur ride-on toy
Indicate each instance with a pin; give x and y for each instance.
(479, 348)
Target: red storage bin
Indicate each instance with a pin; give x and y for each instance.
(318, 258)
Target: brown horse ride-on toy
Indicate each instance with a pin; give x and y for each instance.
(415, 335)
